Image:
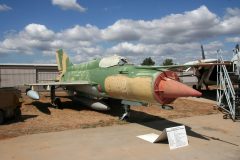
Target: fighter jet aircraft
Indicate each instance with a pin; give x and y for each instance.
(203, 71)
(114, 77)
(236, 60)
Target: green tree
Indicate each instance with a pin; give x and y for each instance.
(148, 62)
(167, 62)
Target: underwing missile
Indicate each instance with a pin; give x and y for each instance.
(32, 94)
(94, 104)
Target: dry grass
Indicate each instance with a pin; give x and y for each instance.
(40, 117)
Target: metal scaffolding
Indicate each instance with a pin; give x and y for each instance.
(228, 94)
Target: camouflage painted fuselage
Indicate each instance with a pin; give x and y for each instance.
(126, 81)
(113, 77)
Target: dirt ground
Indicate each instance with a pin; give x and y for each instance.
(41, 117)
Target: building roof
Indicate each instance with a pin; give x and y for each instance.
(28, 64)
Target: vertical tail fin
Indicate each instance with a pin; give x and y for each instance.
(63, 62)
(203, 54)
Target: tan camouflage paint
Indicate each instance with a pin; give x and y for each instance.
(134, 89)
(62, 67)
(58, 62)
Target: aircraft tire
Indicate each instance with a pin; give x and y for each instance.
(58, 103)
(17, 113)
(1, 117)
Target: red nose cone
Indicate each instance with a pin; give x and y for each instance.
(173, 89)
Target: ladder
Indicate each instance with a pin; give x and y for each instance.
(228, 93)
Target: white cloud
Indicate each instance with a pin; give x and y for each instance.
(122, 30)
(175, 35)
(87, 53)
(233, 39)
(69, 5)
(125, 48)
(169, 49)
(4, 7)
(38, 31)
(37, 37)
(180, 52)
(33, 37)
(232, 12)
(190, 26)
(83, 33)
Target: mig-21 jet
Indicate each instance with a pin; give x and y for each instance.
(114, 78)
(203, 72)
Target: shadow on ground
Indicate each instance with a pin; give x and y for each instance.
(22, 118)
(151, 121)
(142, 118)
(209, 94)
(156, 123)
(44, 107)
(160, 124)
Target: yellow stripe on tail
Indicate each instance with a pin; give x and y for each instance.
(63, 63)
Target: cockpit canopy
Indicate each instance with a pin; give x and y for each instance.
(112, 61)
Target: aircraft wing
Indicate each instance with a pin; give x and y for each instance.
(34, 95)
(169, 67)
(77, 83)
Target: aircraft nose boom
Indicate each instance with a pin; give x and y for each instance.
(173, 89)
(167, 88)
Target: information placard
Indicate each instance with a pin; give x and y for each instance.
(176, 136)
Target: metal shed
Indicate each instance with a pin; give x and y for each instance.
(16, 75)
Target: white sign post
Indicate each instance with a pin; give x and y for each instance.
(176, 136)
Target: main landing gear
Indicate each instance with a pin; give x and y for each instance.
(126, 114)
(55, 101)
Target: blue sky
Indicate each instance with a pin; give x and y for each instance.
(31, 30)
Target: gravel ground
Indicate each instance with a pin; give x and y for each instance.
(40, 117)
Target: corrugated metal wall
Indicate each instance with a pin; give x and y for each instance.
(44, 75)
(12, 76)
(16, 77)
